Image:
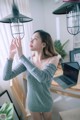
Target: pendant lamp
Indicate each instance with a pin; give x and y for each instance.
(72, 10)
(16, 20)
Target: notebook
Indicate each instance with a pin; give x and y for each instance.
(69, 77)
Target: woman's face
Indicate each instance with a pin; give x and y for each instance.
(36, 43)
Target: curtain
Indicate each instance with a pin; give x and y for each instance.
(5, 33)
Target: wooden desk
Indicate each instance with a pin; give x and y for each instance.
(73, 91)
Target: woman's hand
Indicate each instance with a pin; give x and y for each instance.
(12, 50)
(19, 46)
(15, 47)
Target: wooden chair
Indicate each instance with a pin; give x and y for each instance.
(19, 96)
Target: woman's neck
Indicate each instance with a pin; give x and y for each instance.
(39, 56)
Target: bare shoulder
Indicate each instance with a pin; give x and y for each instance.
(54, 60)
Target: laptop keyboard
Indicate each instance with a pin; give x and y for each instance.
(64, 79)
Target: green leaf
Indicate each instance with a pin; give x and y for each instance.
(3, 108)
(8, 109)
(60, 48)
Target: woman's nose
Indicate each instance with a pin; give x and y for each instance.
(31, 40)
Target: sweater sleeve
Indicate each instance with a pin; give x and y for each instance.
(9, 73)
(41, 75)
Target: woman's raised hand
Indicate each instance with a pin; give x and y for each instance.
(15, 47)
(18, 46)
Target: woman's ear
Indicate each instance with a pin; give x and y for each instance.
(44, 45)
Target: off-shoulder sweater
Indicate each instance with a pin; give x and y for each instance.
(38, 83)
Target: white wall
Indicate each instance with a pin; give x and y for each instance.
(37, 12)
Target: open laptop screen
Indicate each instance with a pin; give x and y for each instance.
(70, 72)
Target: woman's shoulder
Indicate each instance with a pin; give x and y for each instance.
(56, 57)
(54, 60)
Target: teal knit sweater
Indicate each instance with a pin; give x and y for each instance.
(38, 82)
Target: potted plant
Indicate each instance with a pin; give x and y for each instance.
(6, 111)
(59, 47)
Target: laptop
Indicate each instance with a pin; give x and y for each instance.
(73, 64)
(69, 77)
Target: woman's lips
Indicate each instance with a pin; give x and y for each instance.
(31, 45)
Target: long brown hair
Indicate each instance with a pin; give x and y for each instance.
(49, 49)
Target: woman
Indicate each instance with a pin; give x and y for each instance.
(40, 68)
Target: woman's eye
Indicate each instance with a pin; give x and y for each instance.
(35, 38)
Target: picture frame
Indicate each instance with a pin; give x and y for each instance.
(5, 97)
(75, 55)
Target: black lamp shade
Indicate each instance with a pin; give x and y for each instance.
(66, 8)
(11, 18)
(71, 0)
(16, 17)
